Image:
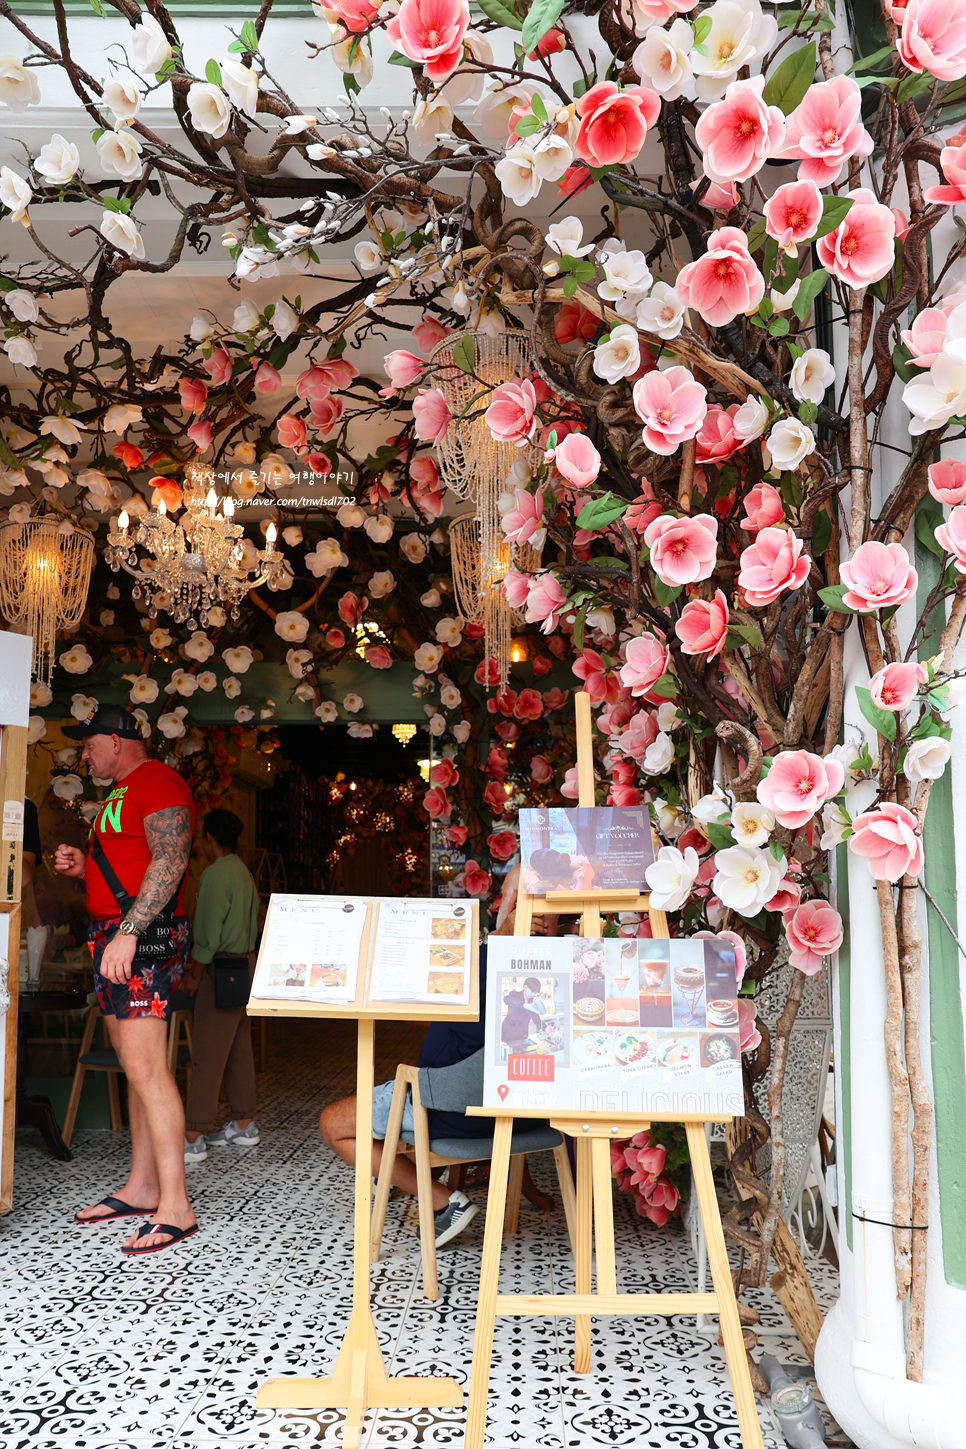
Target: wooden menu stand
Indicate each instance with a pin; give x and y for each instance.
(593, 1132)
(359, 1380)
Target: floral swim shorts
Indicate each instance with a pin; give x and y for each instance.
(152, 983)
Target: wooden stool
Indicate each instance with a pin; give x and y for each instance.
(105, 1060)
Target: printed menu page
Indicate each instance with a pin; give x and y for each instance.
(310, 949)
(423, 951)
(619, 1025)
(585, 849)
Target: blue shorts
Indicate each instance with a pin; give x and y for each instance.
(381, 1101)
(151, 985)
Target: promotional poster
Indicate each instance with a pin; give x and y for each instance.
(585, 849)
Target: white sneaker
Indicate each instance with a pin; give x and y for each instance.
(195, 1151)
(231, 1132)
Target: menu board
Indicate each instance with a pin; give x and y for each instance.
(619, 1025)
(585, 849)
(310, 948)
(422, 951)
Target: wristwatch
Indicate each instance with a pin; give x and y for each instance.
(128, 928)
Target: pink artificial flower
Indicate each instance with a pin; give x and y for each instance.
(683, 550)
(429, 333)
(642, 512)
(719, 196)
(431, 413)
(569, 789)
(456, 834)
(724, 283)
(495, 797)
(334, 638)
(320, 463)
(613, 123)
(599, 681)
(510, 414)
(895, 686)
(267, 378)
(732, 939)
(951, 536)
(877, 576)
(541, 665)
(798, 785)
(927, 335)
(787, 896)
(672, 407)
(549, 44)
(200, 435)
(773, 563)
(953, 162)
(814, 930)
(218, 366)
(403, 368)
(525, 518)
(748, 1034)
(476, 882)
(554, 698)
(887, 839)
(825, 130)
(541, 770)
(862, 247)
(528, 705)
(717, 438)
(496, 763)
(639, 735)
(703, 626)
(763, 508)
(193, 393)
(516, 586)
(647, 659)
(355, 15)
(933, 38)
(792, 215)
(626, 796)
(902, 223)
(436, 804)
(431, 32)
(947, 481)
(645, 1162)
(292, 432)
(351, 608)
(545, 599)
(317, 381)
(326, 414)
(423, 471)
(378, 656)
(739, 133)
(661, 10)
(576, 460)
(444, 773)
(573, 321)
(502, 844)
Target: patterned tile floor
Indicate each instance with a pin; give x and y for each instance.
(97, 1352)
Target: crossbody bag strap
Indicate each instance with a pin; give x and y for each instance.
(124, 900)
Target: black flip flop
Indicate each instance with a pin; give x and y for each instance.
(177, 1235)
(119, 1209)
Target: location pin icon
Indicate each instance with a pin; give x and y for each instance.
(503, 1091)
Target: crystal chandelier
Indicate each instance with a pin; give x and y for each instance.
(192, 565)
(45, 570)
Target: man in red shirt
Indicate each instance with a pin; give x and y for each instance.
(145, 830)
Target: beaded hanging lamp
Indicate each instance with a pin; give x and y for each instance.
(45, 572)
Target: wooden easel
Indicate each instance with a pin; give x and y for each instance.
(359, 1380)
(593, 1132)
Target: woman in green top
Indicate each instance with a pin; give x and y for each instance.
(225, 925)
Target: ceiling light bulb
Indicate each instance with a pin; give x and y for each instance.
(123, 520)
(271, 533)
(162, 510)
(212, 499)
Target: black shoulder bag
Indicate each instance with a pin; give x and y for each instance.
(156, 943)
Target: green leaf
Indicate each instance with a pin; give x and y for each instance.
(213, 72)
(927, 521)
(236, 47)
(702, 28)
(526, 126)
(249, 35)
(821, 532)
(775, 850)
(786, 87)
(96, 135)
(601, 512)
(464, 354)
(834, 210)
(951, 577)
(666, 687)
(756, 236)
(7, 284)
(502, 14)
(790, 489)
(719, 834)
(747, 633)
(911, 86)
(883, 720)
(8, 457)
(666, 593)
(397, 58)
(901, 358)
(832, 598)
(570, 286)
(780, 327)
(541, 17)
(584, 271)
(579, 623)
(537, 107)
(111, 203)
(808, 291)
(867, 61)
(98, 8)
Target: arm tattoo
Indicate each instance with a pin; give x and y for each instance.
(168, 835)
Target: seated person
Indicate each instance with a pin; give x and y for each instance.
(445, 1043)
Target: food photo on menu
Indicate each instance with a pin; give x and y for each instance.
(421, 951)
(584, 849)
(310, 948)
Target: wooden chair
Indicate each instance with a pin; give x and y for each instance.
(451, 1089)
(105, 1060)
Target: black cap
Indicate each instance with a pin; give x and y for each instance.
(106, 719)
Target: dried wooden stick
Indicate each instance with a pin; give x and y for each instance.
(899, 1080)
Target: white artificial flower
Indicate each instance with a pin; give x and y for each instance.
(291, 625)
(292, 535)
(274, 471)
(437, 724)
(123, 97)
(836, 825)
(449, 631)
(22, 304)
(627, 276)
(494, 110)
(933, 402)
(62, 429)
(747, 878)
(21, 351)
(58, 161)
(811, 374)
(172, 724)
(150, 50)
(327, 712)
(518, 176)
(466, 84)
(14, 193)
(431, 117)
(201, 329)
(427, 657)
(751, 419)
(246, 317)
(210, 111)
(81, 705)
(450, 697)
(304, 691)
(244, 713)
(368, 256)
(284, 320)
(296, 659)
(239, 660)
(67, 787)
(662, 312)
(668, 718)
(40, 694)
(326, 556)
(619, 354)
(353, 703)
(181, 682)
(379, 528)
(353, 59)
(120, 153)
(68, 756)
(663, 59)
(381, 584)
(926, 759)
(566, 237)
(231, 686)
(207, 680)
(601, 619)
(121, 231)
(199, 647)
(159, 638)
(788, 444)
(751, 823)
(431, 599)
(782, 301)
(955, 695)
(19, 513)
(712, 808)
(671, 877)
(18, 85)
(36, 728)
(120, 416)
(350, 515)
(144, 690)
(217, 617)
(739, 34)
(241, 83)
(659, 756)
(413, 547)
(357, 731)
(76, 660)
(671, 820)
(551, 157)
(461, 731)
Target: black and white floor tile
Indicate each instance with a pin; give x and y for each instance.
(97, 1352)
